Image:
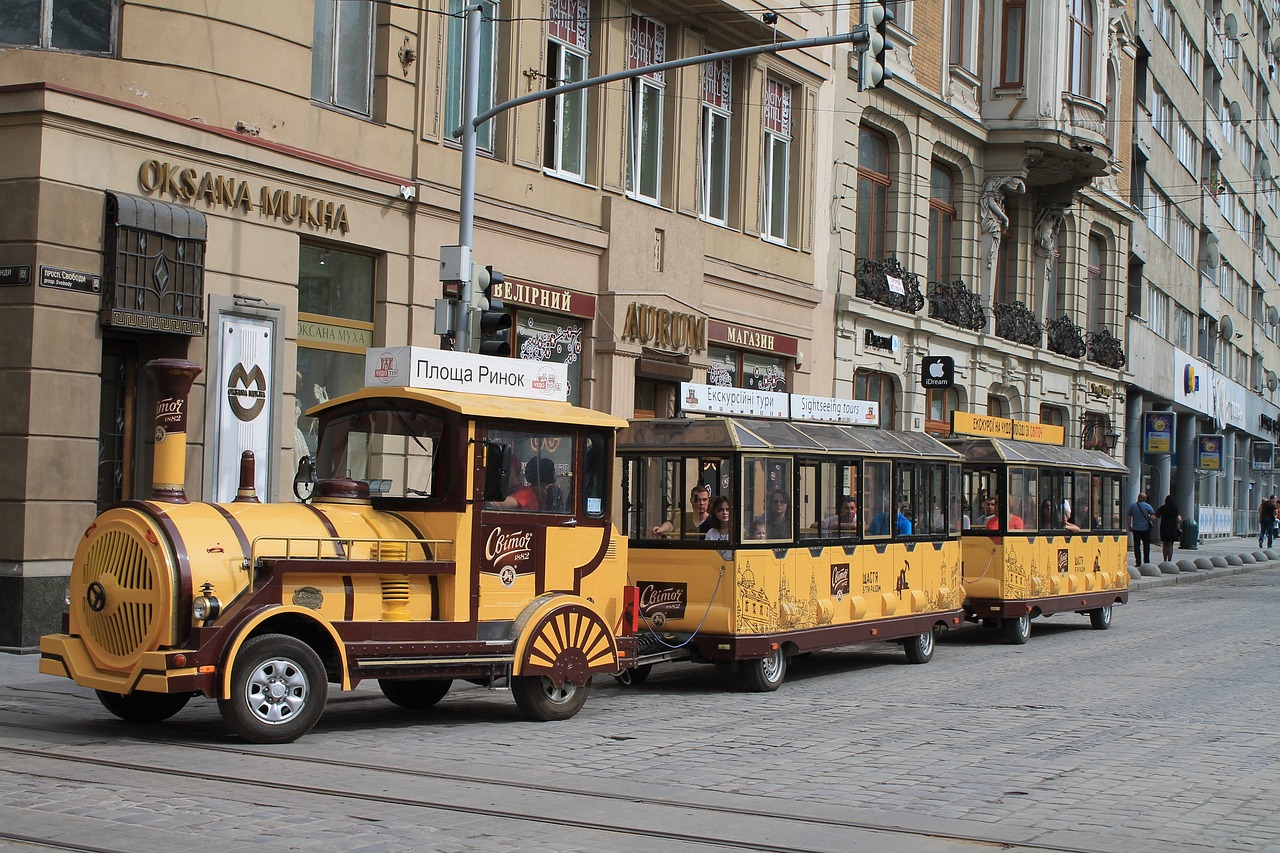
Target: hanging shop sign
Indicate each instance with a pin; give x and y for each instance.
(1209, 452)
(1157, 432)
(937, 371)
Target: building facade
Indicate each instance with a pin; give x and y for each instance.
(266, 190)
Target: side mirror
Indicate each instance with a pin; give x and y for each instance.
(497, 465)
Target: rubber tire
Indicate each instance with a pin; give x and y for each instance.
(636, 676)
(919, 648)
(765, 674)
(301, 664)
(1100, 618)
(542, 702)
(1018, 630)
(143, 707)
(415, 694)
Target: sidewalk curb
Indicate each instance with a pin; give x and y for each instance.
(1136, 584)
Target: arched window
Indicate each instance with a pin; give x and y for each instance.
(873, 194)
(997, 406)
(1081, 41)
(942, 218)
(872, 385)
(1053, 415)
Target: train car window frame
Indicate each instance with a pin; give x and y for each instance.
(671, 491)
(1082, 498)
(535, 467)
(410, 433)
(877, 495)
(1021, 492)
(762, 479)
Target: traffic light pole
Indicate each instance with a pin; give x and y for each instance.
(459, 274)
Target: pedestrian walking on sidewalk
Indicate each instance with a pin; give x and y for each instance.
(1170, 526)
(1267, 521)
(1141, 514)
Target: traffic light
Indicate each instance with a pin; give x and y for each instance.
(491, 322)
(875, 67)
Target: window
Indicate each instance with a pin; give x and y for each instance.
(717, 112)
(1187, 147)
(742, 369)
(1053, 415)
(960, 33)
(942, 217)
(1182, 326)
(78, 25)
(568, 49)
(335, 327)
(1097, 270)
(1007, 261)
(554, 338)
(1162, 114)
(342, 55)
(777, 176)
(457, 52)
(528, 471)
(1081, 40)
(644, 167)
(873, 194)
(1166, 19)
(1013, 27)
(395, 449)
(766, 499)
(877, 499)
(879, 388)
(997, 406)
(1188, 56)
(939, 404)
(1184, 238)
(1158, 312)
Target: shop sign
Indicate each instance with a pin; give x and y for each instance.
(748, 338)
(82, 282)
(833, 410)
(988, 426)
(885, 343)
(1260, 455)
(442, 370)
(1157, 432)
(937, 371)
(15, 276)
(1209, 452)
(329, 333)
(557, 299)
(665, 330)
(722, 400)
(1269, 424)
(186, 184)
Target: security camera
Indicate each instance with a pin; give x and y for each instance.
(407, 192)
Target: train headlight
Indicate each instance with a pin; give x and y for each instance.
(205, 607)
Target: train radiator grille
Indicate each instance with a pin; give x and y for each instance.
(118, 609)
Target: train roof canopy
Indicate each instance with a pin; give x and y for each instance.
(481, 406)
(1011, 452)
(748, 434)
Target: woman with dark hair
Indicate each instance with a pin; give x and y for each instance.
(1170, 526)
(777, 515)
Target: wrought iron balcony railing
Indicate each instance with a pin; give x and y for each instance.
(887, 282)
(1018, 323)
(1106, 349)
(1065, 337)
(957, 305)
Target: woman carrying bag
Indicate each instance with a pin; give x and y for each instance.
(1170, 526)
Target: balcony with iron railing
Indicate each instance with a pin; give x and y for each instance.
(887, 282)
(1065, 337)
(1018, 323)
(956, 305)
(1106, 349)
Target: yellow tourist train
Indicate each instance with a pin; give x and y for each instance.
(1046, 533)
(460, 524)
(451, 535)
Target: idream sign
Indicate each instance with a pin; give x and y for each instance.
(937, 371)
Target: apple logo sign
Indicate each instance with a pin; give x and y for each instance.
(936, 370)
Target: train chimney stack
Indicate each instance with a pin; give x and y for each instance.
(245, 494)
(173, 378)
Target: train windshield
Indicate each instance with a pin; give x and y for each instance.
(393, 449)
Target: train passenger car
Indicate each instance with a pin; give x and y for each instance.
(1046, 531)
(820, 535)
(451, 535)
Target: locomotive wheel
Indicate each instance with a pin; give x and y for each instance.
(1100, 619)
(634, 677)
(1018, 631)
(278, 690)
(540, 700)
(415, 694)
(142, 706)
(920, 647)
(766, 674)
